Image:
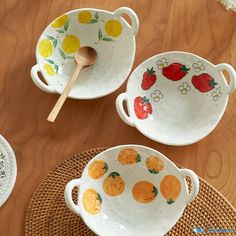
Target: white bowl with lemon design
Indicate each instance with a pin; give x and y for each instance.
(107, 32)
(131, 190)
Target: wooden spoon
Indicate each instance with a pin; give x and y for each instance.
(85, 56)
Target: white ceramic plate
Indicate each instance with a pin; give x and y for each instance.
(107, 32)
(131, 190)
(8, 170)
(176, 98)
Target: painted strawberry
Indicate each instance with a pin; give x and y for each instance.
(142, 107)
(175, 71)
(203, 82)
(149, 78)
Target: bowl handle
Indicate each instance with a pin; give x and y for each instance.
(38, 82)
(232, 74)
(68, 195)
(195, 184)
(120, 109)
(132, 15)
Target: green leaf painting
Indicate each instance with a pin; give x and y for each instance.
(99, 34)
(60, 31)
(49, 61)
(99, 197)
(62, 54)
(103, 37)
(66, 26)
(56, 68)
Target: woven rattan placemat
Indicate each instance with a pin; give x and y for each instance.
(47, 213)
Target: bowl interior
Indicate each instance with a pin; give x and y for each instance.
(178, 112)
(143, 204)
(109, 34)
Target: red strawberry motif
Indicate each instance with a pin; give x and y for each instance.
(175, 71)
(203, 82)
(149, 78)
(142, 107)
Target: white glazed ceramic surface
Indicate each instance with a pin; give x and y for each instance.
(176, 112)
(123, 214)
(7, 170)
(107, 32)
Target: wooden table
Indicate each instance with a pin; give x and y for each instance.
(198, 26)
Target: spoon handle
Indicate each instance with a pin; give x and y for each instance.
(57, 107)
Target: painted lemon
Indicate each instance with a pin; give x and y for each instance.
(97, 169)
(60, 21)
(113, 185)
(129, 156)
(154, 164)
(144, 192)
(170, 188)
(113, 28)
(49, 69)
(84, 17)
(45, 48)
(70, 44)
(92, 201)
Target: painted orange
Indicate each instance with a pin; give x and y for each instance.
(97, 169)
(128, 156)
(144, 192)
(92, 201)
(170, 188)
(154, 164)
(113, 185)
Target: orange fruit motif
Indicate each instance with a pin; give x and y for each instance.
(97, 169)
(170, 188)
(144, 192)
(92, 201)
(129, 156)
(113, 185)
(154, 164)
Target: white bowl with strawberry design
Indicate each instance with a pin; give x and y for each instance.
(176, 98)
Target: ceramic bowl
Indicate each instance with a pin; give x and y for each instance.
(176, 98)
(107, 32)
(8, 170)
(131, 190)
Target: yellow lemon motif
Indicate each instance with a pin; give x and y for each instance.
(97, 169)
(45, 48)
(59, 22)
(70, 44)
(154, 164)
(49, 69)
(113, 28)
(144, 192)
(113, 185)
(170, 188)
(84, 17)
(92, 201)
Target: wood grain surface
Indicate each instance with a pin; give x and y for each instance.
(198, 26)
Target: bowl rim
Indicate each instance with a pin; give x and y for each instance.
(220, 115)
(90, 97)
(167, 160)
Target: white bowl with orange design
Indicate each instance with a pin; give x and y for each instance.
(131, 190)
(107, 32)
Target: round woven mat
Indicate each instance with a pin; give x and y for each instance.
(47, 213)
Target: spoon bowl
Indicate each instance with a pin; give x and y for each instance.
(86, 56)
